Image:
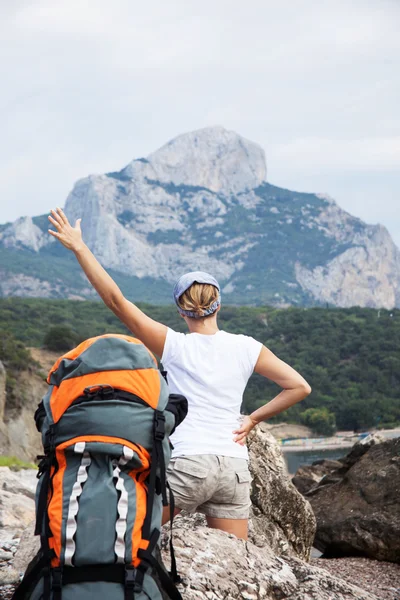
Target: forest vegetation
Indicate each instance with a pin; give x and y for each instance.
(350, 357)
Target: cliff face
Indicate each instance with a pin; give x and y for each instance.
(202, 202)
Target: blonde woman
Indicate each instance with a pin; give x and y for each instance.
(209, 467)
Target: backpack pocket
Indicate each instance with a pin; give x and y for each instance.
(98, 503)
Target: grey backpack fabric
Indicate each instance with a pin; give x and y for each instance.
(105, 425)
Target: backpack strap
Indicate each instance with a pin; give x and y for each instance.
(146, 555)
(173, 572)
(165, 580)
(32, 575)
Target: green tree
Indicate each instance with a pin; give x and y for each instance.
(60, 338)
(320, 420)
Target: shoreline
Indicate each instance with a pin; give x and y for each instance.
(338, 442)
(312, 447)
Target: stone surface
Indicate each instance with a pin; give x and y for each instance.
(202, 202)
(359, 449)
(8, 575)
(17, 505)
(215, 565)
(281, 518)
(3, 376)
(27, 549)
(212, 158)
(359, 513)
(18, 434)
(323, 472)
(308, 476)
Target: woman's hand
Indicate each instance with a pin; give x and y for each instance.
(70, 237)
(247, 425)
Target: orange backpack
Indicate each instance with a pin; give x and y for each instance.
(105, 425)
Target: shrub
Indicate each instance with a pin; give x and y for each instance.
(320, 420)
(60, 338)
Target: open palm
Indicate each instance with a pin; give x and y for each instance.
(70, 237)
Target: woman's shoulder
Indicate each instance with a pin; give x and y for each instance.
(239, 338)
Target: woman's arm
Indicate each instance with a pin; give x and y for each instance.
(150, 332)
(295, 388)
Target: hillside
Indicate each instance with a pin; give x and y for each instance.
(202, 202)
(349, 356)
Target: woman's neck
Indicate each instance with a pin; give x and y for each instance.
(205, 326)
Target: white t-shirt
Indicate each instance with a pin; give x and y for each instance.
(211, 371)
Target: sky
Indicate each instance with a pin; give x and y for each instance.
(88, 85)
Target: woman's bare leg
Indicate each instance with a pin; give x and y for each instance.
(167, 514)
(238, 527)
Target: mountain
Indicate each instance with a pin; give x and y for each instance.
(202, 202)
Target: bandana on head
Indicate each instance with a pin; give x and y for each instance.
(184, 284)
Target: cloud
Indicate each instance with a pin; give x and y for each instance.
(89, 84)
(314, 154)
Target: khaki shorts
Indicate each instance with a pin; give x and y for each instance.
(218, 486)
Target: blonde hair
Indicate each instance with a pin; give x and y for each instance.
(198, 298)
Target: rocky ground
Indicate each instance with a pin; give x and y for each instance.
(272, 565)
(380, 578)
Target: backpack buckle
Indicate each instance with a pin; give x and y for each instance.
(56, 579)
(43, 464)
(159, 425)
(103, 390)
(131, 584)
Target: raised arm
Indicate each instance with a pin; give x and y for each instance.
(295, 388)
(150, 332)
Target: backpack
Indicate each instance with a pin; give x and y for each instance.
(105, 425)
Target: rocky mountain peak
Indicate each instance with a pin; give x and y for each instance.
(213, 158)
(201, 202)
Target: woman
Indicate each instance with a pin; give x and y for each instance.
(209, 466)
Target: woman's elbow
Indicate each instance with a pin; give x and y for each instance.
(305, 389)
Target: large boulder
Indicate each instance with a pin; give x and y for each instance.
(4, 439)
(358, 514)
(18, 434)
(308, 477)
(281, 517)
(325, 471)
(215, 565)
(17, 504)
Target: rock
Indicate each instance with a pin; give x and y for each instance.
(23, 232)
(19, 437)
(202, 202)
(8, 575)
(288, 430)
(325, 472)
(359, 515)
(216, 565)
(281, 517)
(19, 482)
(359, 449)
(27, 549)
(17, 505)
(4, 438)
(308, 476)
(212, 158)
(3, 376)
(343, 281)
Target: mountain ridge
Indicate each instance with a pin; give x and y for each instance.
(202, 202)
